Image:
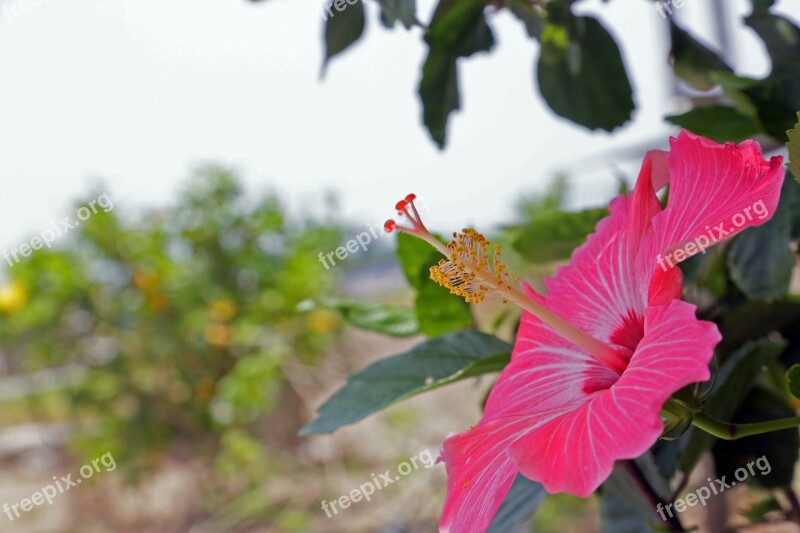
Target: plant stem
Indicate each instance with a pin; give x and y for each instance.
(729, 431)
(794, 513)
(633, 472)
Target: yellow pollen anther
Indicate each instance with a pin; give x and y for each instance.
(471, 271)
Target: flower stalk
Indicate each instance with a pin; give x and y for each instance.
(675, 409)
(729, 431)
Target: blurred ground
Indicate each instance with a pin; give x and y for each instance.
(322, 467)
(169, 500)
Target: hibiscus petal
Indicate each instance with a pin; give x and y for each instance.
(603, 289)
(576, 452)
(713, 190)
(546, 378)
(479, 475)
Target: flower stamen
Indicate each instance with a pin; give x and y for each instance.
(472, 271)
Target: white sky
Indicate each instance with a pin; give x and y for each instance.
(139, 92)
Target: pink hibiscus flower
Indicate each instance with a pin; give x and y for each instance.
(596, 359)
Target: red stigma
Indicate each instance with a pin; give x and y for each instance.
(411, 197)
(389, 225)
(401, 205)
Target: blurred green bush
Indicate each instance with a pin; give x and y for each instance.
(178, 323)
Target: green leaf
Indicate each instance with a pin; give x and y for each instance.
(779, 448)
(692, 61)
(553, 235)
(735, 380)
(793, 146)
(528, 15)
(777, 98)
(438, 311)
(717, 122)
(415, 256)
(708, 271)
(520, 503)
(586, 82)
(403, 10)
(738, 327)
(438, 91)
(761, 260)
(454, 23)
(435, 363)
(394, 321)
(733, 87)
(793, 377)
(762, 6)
(342, 29)
(622, 507)
(458, 29)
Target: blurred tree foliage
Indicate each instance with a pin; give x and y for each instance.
(181, 321)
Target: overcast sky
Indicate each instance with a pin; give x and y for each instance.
(140, 92)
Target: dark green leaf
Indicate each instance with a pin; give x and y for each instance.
(738, 327)
(762, 6)
(708, 271)
(342, 29)
(734, 88)
(414, 256)
(692, 61)
(760, 260)
(527, 14)
(793, 377)
(403, 10)
(659, 465)
(779, 449)
(777, 98)
(586, 81)
(438, 311)
(717, 122)
(458, 29)
(622, 507)
(520, 503)
(735, 380)
(438, 91)
(394, 321)
(432, 364)
(553, 235)
(456, 22)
